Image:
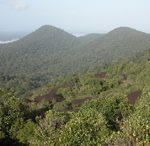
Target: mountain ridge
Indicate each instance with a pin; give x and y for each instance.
(50, 52)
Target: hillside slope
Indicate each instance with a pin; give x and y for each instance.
(35, 52)
(119, 43)
(50, 52)
(108, 106)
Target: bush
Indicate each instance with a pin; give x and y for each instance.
(136, 129)
(85, 128)
(11, 116)
(27, 132)
(47, 131)
(114, 109)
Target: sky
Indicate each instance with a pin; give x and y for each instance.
(75, 16)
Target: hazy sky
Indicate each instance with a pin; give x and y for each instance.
(75, 16)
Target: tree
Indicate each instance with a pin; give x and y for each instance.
(87, 127)
(135, 130)
(27, 132)
(47, 131)
(11, 116)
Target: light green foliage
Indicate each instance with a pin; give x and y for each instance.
(114, 109)
(11, 115)
(47, 131)
(87, 127)
(26, 133)
(135, 130)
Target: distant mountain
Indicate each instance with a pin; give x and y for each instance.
(121, 37)
(50, 52)
(45, 38)
(37, 50)
(120, 42)
(90, 37)
(49, 37)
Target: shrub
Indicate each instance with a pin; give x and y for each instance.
(87, 127)
(114, 109)
(26, 133)
(47, 131)
(136, 129)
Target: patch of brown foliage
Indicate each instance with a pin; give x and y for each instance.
(51, 96)
(133, 96)
(101, 74)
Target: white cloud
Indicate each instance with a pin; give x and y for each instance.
(6, 42)
(16, 4)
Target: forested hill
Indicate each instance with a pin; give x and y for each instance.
(50, 52)
(35, 52)
(106, 107)
(118, 43)
(90, 37)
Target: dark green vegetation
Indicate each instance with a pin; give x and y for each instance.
(49, 53)
(109, 106)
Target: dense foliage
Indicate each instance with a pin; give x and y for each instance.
(49, 53)
(107, 107)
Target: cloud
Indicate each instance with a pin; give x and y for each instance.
(18, 5)
(6, 42)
